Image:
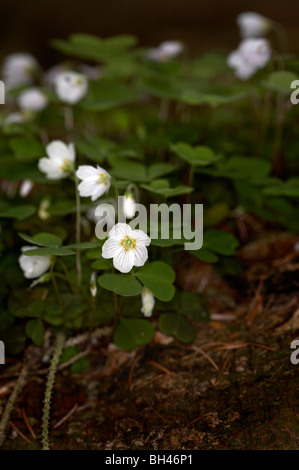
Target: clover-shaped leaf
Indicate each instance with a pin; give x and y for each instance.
(158, 277)
(197, 156)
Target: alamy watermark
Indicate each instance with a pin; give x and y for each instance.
(2, 92)
(295, 355)
(2, 353)
(294, 96)
(163, 222)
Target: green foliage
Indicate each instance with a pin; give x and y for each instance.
(180, 130)
(131, 333)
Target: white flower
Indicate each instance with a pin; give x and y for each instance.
(148, 302)
(25, 188)
(13, 118)
(95, 181)
(166, 50)
(253, 25)
(50, 76)
(60, 160)
(127, 247)
(33, 266)
(18, 69)
(243, 70)
(251, 55)
(93, 284)
(71, 87)
(129, 206)
(43, 209)
(32, 100)
(255, 52)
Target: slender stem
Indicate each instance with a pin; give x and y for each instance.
(69, 119)
(55, 286)
(264, 124)
(91, 322)
(164, 110)
(78, 234)
(60, 339)
(67, 276)
(281, 36)
(190, 182)
(276, 155)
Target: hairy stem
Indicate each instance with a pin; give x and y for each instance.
(60, 339)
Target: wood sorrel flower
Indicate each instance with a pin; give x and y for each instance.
(60, 161)
(253, 25)
(127, 247)
(18, 69)
(148, 302)
(32, 100)
(71, 87)
(251, 55)
(166, 50)
(129, 206)
(33, 266)
(95, 181)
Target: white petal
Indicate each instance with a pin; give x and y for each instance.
(124, 261)
(110, 248)
(120, 230)
(86, 171)
(87, 189)
(141, 237)
(101, 189)
(72, 152)
(50, 168)
(141, 255)
(58, 150)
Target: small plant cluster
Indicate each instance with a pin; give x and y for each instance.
(156, 127)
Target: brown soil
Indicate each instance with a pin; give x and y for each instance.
(233, 388)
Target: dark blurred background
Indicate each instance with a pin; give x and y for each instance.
(201, 24)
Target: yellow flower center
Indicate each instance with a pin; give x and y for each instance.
(67, 166)
(103, 178)
(128, 243)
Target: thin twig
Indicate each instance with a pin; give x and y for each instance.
(11, 402)
(28, 424)
(19, 432)
(66, 417)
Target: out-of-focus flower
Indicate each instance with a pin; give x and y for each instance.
(95, 181)
(13, 118)
(251, 55)
(166, 50)
(93, 284)
(253, 25)
(19, 69)
(50, 76)
(60, 161)
(148, 302)
(92, 72)
(32, 99)
(129, 205)
(25, 188)
(33, 266)
(71, 87)
(43, 209)
(127, 247)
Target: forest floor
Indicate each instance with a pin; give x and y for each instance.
(234, 387)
